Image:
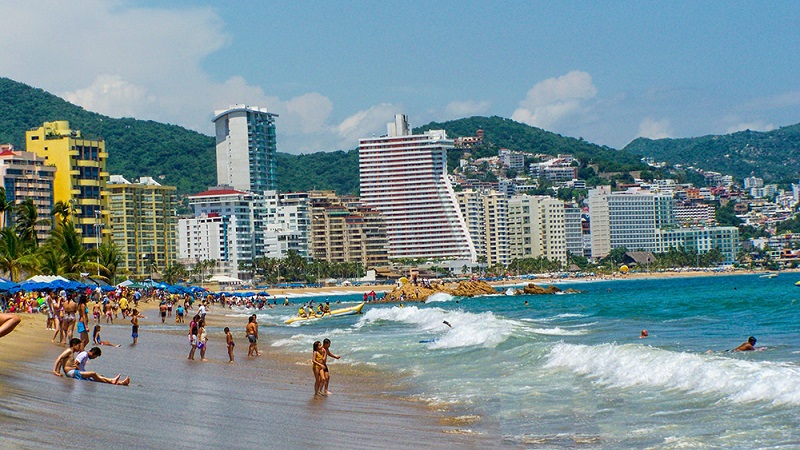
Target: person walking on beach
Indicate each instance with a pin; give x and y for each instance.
(229, 342)
(193, 330)
(326, 347)
(162, 308)
(318, 367)
(202, 339)
(252, 335)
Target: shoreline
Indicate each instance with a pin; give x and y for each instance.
(362, 394)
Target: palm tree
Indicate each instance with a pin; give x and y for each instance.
(50, 262)
(109, 258)
(27, 221)
(62, 211)
(174, 272)
(5, 207)
(15, 256)
(75, 258)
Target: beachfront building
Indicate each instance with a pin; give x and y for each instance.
(486, 214)
(247, 235)
(246, 148)
(25, 176)
(294, 212)
(630, 219)
(536, 228)
(210, 237)
(80, 177)
(143, 221)
(573, 229)
(404, 177)
(702, 240)
(343, 230)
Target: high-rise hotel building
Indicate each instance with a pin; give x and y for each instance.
(26, 176)
(404, 176)
(80, 178)
(246, 148)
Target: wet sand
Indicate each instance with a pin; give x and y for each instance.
(176, 403)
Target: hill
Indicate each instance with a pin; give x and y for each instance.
(184, 158)
(500, 132)
(772, 155)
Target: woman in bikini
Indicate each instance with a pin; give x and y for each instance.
(68, 320)
(318, 366)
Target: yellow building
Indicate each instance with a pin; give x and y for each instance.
(143, 220)
(80, 178)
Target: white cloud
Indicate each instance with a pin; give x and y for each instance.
(551, 101)
(757, 125)
(367, 122)
(467, 108)
(111, 95)
(655, 129)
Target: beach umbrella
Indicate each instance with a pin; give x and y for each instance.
(264, 294)
(6, 286)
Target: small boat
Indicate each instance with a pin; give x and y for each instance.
(336, 312)
(797, 284)
(769, 275)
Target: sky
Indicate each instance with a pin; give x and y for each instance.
(335, 72)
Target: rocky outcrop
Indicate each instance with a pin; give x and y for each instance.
(419, 293)
(532, 289)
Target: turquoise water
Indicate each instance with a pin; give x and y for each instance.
(570, 370)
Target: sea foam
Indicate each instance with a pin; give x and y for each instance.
(468, 329)
(634, 365)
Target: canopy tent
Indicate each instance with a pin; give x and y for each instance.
(225, 279)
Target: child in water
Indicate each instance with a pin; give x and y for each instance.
(96, 338)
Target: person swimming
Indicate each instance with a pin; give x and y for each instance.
(750, 345)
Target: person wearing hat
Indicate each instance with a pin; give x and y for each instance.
(747, 346)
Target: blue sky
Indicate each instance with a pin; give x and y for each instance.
(337, 71)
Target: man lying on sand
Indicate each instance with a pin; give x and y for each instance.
(74, 366)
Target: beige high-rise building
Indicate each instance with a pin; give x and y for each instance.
(345, 231)
(486, 214)
(536, 228)
(143, 221)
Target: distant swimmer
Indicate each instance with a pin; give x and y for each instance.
(644, 334)
(750, 345)
(447, 323)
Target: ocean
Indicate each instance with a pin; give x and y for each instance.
(571, 370)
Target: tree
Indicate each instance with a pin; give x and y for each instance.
(62, 211)
(27, 221)
(75, 258)
(174, 272)
(15, 256)
(5, 207)
(109, 257)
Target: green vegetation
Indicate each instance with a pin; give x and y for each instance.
(772, 155)
(336, 171)
(506, 133)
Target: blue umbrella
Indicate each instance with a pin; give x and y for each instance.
(6, 286)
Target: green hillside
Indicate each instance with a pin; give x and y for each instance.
(183, 157)
(772, 155)
(500, 132)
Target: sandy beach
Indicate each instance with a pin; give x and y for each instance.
(176, 403)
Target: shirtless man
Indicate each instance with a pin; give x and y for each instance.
(326, 347)
(162, 308)
(750, 345)
(252, 335)
(75, 367)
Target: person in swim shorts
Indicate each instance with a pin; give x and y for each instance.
(251, 330)
(230, 343)
(326, 349)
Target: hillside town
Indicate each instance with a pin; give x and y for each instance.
(509, 214)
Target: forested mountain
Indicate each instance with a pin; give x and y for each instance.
(772, 155)
(500, 132)
(183, 157)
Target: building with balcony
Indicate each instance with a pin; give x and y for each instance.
(143, 223)
(246, 148)
(80, 178)
(27, 176)
(404, 177)
(536, 228)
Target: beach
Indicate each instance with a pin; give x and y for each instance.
(266, 401)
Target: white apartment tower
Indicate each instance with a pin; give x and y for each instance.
(246, 148)
(404, 176)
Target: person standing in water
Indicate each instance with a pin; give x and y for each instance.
(252, 335)
(135, 325)
(318, 367)
(326, 348)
